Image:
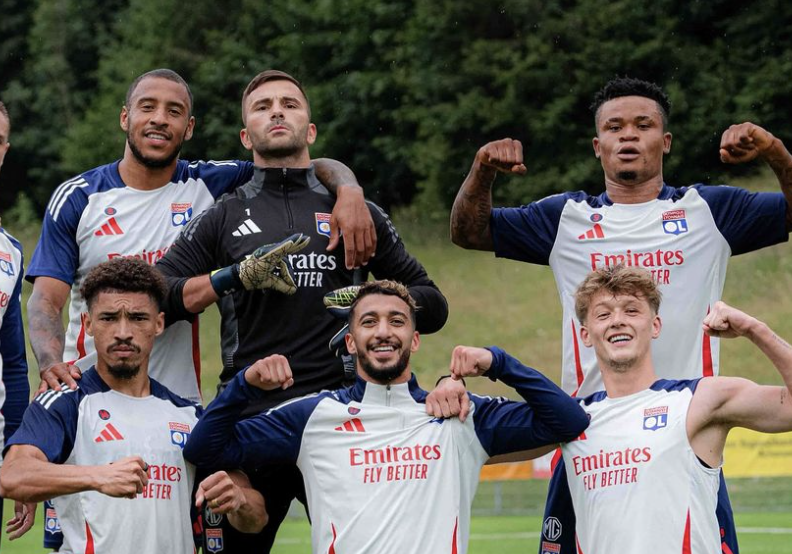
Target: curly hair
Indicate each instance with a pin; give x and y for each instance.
(627, 86)
(388, 288)
(124, 275)
(616, 280)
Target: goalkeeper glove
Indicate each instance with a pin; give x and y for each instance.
(338, 303)
(267, 267)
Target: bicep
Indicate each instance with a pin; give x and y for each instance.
(763, 408)
(23, 452)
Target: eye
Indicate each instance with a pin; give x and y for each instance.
(175, 112)
(614, 127)
(368, 322)
(602, 315)
(397, 322)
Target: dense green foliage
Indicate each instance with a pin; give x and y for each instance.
(403, 91)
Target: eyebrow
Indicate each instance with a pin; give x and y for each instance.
(167, 103)
(375, 313)
(131, 313)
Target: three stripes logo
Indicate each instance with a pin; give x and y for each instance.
(352, 426)
(111, 227)
(247, 228)
(47, 398)
(593, 233)
(109, 433)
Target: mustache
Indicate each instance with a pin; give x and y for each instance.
(127, 343)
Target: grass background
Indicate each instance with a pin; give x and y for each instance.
(516, 306)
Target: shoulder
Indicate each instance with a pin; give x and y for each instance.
(676, 385)
(165, 394)
(74, 193)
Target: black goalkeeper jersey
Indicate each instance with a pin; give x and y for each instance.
(275, 204)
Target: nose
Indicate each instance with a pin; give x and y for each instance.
(123, 329)
(383, 329)
(276, 112)
(158, 117)
(628, 134)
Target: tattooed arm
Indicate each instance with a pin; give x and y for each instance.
(470, 215)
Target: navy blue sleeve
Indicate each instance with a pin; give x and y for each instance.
(747, 220)
(57, 254)
(548, 415)
(50, 424)
(221, 177)
(12, 352)
(528, 233)
(221, 441)
(558, 525)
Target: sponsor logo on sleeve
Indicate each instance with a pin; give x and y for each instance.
(51, 523)
(674, 222)
(179, 433)
(181, 214)
(655, 418)
(322, 223)
(551, 529)
(550, 548)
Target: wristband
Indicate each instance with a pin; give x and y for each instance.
(226, 281)
(449, 377)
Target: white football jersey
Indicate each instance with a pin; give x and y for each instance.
(95, 425)
(95, 217)
(635, 482)
(684, 238)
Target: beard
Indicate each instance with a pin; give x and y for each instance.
(124, 372)
(153, 163)
(265, 148)
(385, 374)
(627, 175)
(621, 366)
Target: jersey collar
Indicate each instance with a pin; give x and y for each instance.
(278, 177)
(388, 395)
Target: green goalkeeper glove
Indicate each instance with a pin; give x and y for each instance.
(340, 300)
(267, 267)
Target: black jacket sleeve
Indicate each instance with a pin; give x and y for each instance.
(392, 261)
(196, 252)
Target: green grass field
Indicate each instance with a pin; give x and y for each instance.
(516, 306)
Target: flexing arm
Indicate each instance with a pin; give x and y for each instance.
(350, 217)
(28, 476)
(47, 335)
(232, 494)
(721, 403)
(746, 141)
(547, 417)
(470, 215)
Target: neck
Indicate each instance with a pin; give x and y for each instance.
(136, 175)
(621, 192)
(626, 381)
(139, 386)
(299, 161)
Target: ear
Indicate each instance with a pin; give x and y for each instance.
(87, 323)
(190, 128)
(311, 135)
(124, 119)
(416, 342)
(657, 326)
(160, 324)
(245, 139)
(585, 337)
(666, 143)
(350, 343)
(595, 144)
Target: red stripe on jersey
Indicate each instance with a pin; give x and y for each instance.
(196, 352)
(454, 538)
(686, 539)
(598, 231)
(725, 549)
(81, 338)
(577, 543)
(557, 455)
(89, 541)
(114, 432)
(358, 425)
(332, 544)
(348, 426)
(114, 225)
(578, 367)
(106, 435)
(706, 354)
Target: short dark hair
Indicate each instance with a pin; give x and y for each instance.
(388, 288)
(616, 280)
(124, 275)
(4, 111)
(271, 75)
(162, 73)
(627, 86)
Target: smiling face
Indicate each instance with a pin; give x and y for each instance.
(278, 124)
(157, 121)
(383, 336)
(124, 326)
(631, 141)
(621, 329)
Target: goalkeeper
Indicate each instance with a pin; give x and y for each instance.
(272, 295)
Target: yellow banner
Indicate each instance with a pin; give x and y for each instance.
(752, 454)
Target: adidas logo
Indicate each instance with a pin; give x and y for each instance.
(109, 228)
(247, 228)
(593, 233)
(352, 426)
(109, 433)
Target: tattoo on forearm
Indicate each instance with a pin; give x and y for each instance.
(782, 342)
(46, 337)
(471, 213)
